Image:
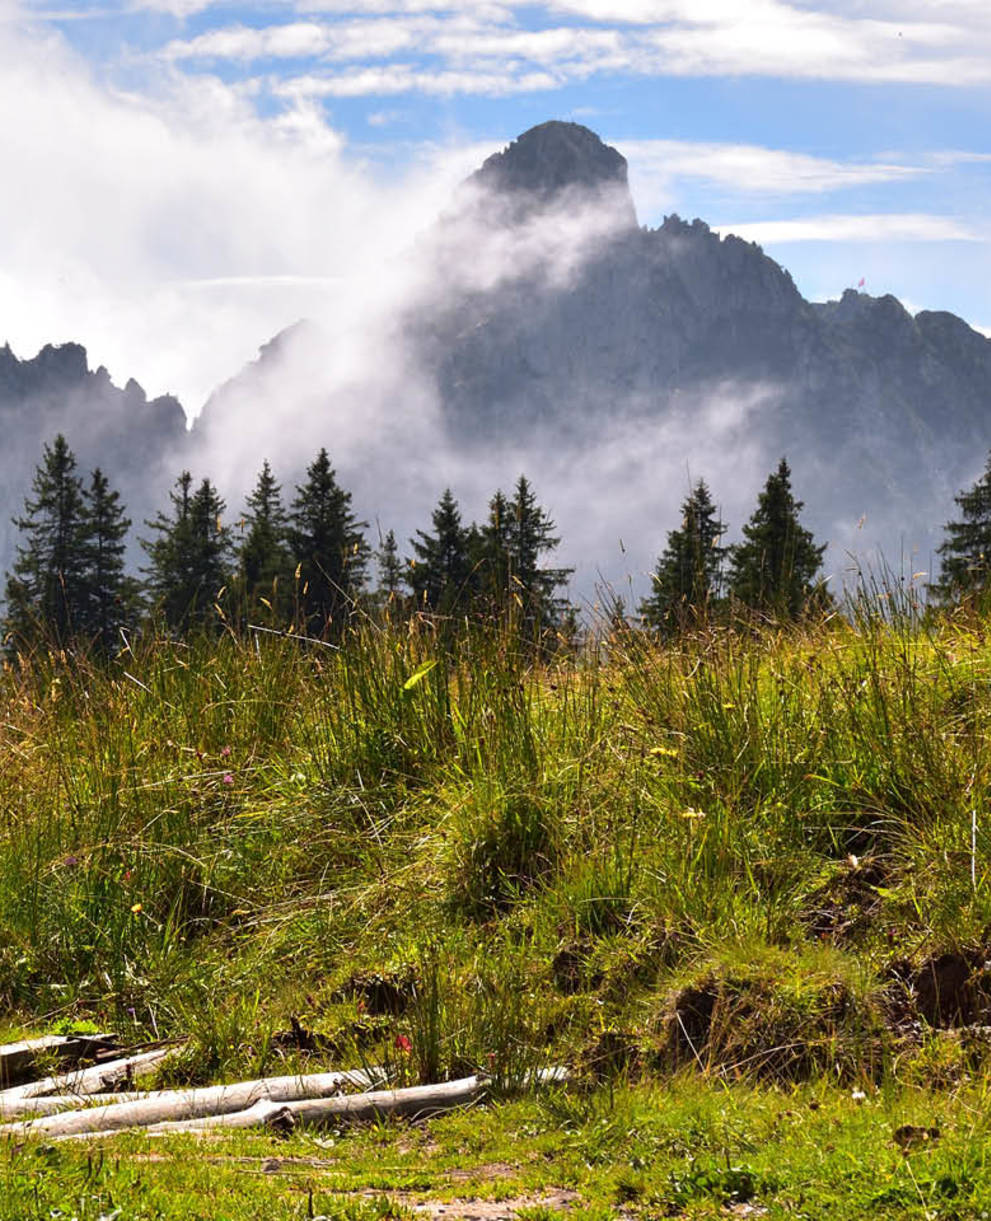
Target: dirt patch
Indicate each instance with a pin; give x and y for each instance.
(691, 1021)
(954, 989)
(609, 1054)
(568, 970)
(948, 991)
(382, 993)
(491, 1210)
(846, 907)
(749, 1024)
(487, 1170)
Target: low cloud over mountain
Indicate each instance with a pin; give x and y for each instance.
(538, 327)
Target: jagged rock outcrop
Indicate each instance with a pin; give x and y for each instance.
(548, 164)
(883, 415)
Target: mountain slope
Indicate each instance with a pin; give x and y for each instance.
(546, 321)
(136, 441)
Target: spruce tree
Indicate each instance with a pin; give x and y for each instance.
(109, 596)
(966, 549)
(440, 573)
(390, 599)
(190, 557)
(328, 547)
(264, 558)
(45, 590)
(688, 576)
(490, 551)
(511, 543)
(773, 570)
(390, 567)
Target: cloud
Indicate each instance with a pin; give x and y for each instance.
(117, 208)
(473, 49)
(656, 166)
(175, 8)
(300, 40)
(384, 118)
(395, 79)
(880, 227)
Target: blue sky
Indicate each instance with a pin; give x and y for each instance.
(186, 177)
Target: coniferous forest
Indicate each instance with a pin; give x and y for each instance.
(307, 564)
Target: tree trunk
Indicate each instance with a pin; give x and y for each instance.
(93, 1080)
(19, 1060)
(188, 1105)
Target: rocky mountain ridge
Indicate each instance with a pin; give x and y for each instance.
(131, 437)
(549, 331)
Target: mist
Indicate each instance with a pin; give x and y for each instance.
(197, 231)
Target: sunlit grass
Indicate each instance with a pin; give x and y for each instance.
(735, 855)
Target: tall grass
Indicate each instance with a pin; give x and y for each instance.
(220, 833)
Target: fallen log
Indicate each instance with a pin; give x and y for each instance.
(18, 1061)
(53, 1104)
(416, 1102)
(183, 1106)
(95, 1080)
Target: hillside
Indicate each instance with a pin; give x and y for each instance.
(737, 886)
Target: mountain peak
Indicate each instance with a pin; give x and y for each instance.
(554, 159)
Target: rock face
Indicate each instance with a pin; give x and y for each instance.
(551, 325)
(883, 416)
(549, 163)
(133, 439)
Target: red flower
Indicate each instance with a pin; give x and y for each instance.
(403, 1044)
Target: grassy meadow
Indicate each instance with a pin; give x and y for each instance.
(737, 883)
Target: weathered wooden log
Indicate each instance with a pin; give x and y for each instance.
(189, 1105)
(19, 1061)
(53, 1104)
(95, 1080)
(417, 1102)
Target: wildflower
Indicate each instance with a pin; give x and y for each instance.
(71, 860)
(228, 778)
(403, 1044)
(136, 909)
(225, 752)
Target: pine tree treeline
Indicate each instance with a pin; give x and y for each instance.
(490, 569)
(771, 572)
(304, 568)
(301, 568)
(68, 578)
